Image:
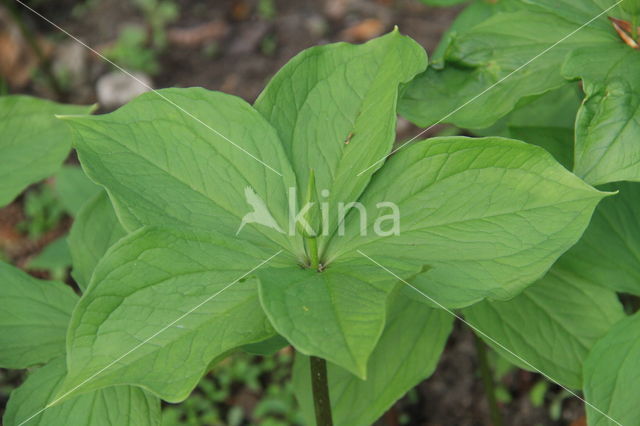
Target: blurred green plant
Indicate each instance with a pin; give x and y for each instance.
(158, 14)
(138, 47)
(214, 400)
(132, 52)
(43, 211)
(269, 45)
(267, 9)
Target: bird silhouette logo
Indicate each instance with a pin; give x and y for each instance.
(260, 213)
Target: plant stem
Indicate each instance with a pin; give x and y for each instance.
(320, 387)
(312, 249)
(634, 27)
(487, 381)
(45, 63)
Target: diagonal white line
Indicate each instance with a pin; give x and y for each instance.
(145, 341)
(150, 88)
(477, 330)
(571, 34)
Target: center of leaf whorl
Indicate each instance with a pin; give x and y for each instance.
(310, 238)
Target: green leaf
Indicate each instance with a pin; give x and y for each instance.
(609, 251)
(557, 108)
(483, 217)
(139, 310)
(475, 13)
(555, 140)
(631, 6)
(608, 125)
(161, 166)
(74, 188)
(54, 258)
(33, 318)
(484, 72)
(479, 57)
(337, 314)
(266, 347)
(334, 109)
(551, 325)
(408, 353)
(95, 230)
(33, 144)
(611, 376)
(581, 12)
(114, 406)
(547, 121)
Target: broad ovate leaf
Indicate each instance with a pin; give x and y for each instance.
(608, 125)
(407, 353)
(95, 230)
(337, 314)
(612, 377)
(334, 108)
(33, 318)
(551, 325)
(164, 304)
(191, 158)
(609, 251)
(473, 14)
(114, 406)
(482, 217)
(33, 144)
(490, 69)
(581, 44)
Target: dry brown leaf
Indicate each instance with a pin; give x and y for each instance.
(623, 28)
(363, 31)
(582, 421)
(198, 35)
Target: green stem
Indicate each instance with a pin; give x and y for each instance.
(312, 250)
(45, 63)
(487, 381)
(320, 387)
